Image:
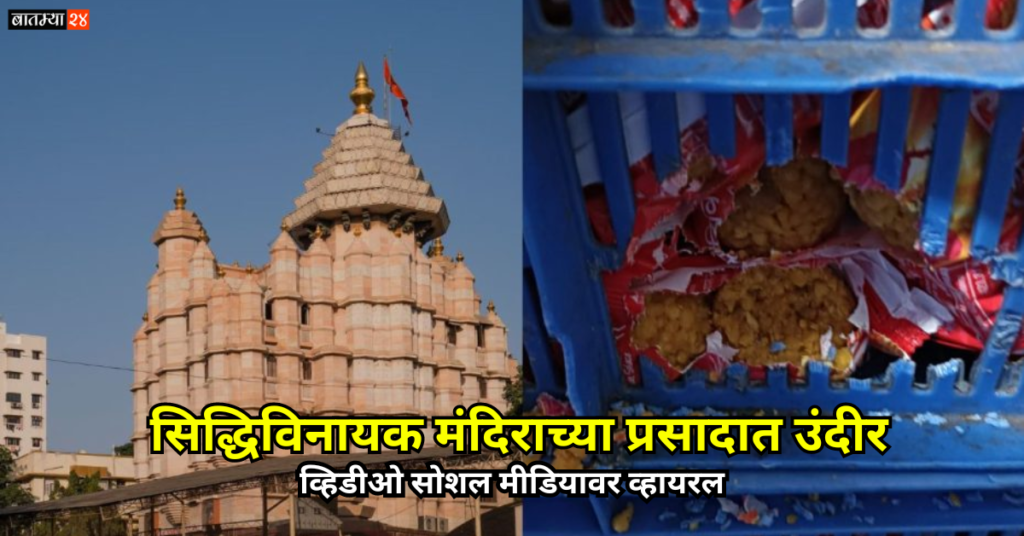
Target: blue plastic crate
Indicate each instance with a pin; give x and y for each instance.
(966, 451)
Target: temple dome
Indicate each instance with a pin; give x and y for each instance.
(366, 168)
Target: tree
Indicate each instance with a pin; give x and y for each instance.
(128, 449)
(87, 523)
(77, 485)
(11, 493)
(513, 394)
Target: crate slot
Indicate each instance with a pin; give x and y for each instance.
(619, 14)
(556, 13)
(609, 134)
(664, 123)
(578, 112)
(747, 18)
(547, 369)
(1008, 14)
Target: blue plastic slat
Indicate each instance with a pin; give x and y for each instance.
(835, 128)
(714, 18)
(766, 65)
(776, 18)
(664, 123)
(588, 17)
(721, 112)
(989, 368)
(532, 19)
(606, 120)
(895, 393)
(892, 135)
(840, 19)
(905, 18)
(911, 514)
(778, 119)
(943, 170)
(999, 172)
(537, 344)
(558, 242)
(969, 20)
(651, 18)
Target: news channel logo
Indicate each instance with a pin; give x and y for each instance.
(47, 19)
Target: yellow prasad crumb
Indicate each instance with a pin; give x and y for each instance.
(676, 324)
(621, 521)
(779, 315)
(795, 206)
(896, 221)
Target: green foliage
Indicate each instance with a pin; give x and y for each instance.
(11, 493)
(80, 523)
(128, 449)
(77, 485)
(514, 394)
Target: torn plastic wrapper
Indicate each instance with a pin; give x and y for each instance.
(859, 172)
(968, 290)
(963, 285)
(886, 305)
(550, 406)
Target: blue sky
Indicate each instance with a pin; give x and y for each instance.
(222, 98)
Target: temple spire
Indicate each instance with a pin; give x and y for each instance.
(362, 94)
(437, 249)
(179, 199)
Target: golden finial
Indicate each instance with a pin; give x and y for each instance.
(179, 199)
(437, 250)
(459, 257)
(248, 268)
(220, 271)
(284, 226)
(362, 94)
(318, 232)
(490, 306)
(145, 317)
(203, 236)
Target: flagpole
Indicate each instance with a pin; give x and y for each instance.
(386, 89)
(389, 91)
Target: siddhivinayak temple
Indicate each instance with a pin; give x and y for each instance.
(349, 317)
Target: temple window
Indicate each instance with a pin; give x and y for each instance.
(453, 333)
(268, 311)
(307, 371)
(304, 315)
(270, 369)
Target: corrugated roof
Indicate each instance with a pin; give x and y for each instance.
(216, 477)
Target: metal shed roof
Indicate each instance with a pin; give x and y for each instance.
(198, 483)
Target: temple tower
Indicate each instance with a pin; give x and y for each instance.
(349, 316)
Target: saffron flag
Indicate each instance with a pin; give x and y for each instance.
(396, 90)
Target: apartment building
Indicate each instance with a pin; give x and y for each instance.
(23, 384)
